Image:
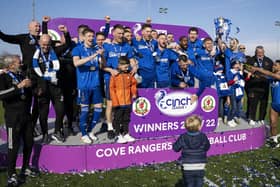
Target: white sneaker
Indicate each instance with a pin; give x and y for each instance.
(252, 123)
(225, 120)
(231, 123)
(261, 122)
(220, 120)
(128, 138)
(86, 139)
(274, 138)
(93, 138)
(121, 139)
(237, 120)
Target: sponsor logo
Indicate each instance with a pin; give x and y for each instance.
(141, 107)
(174, 104)
(54, 35)
(208, 103)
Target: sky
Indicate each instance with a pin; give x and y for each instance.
(255, 18)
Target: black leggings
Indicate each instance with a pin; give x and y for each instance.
(19, 126)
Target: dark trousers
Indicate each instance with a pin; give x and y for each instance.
(222, 101)
(69, 104)
(121, 117)
(35, 111)
(193, 178)
(254, 98)
(53, 94)
(19, 127)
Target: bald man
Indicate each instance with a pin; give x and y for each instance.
(27, 43)
(46, 66)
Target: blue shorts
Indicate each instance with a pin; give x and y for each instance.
(88, 97)
(275, 107)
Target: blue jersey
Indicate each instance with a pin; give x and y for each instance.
(88, 73)
(230, 55)
(112, 52)
(145, 50)
(275, 91)
(163, 61)
(195, 46)
(177, 76)
(204, 59)
(188, 52)
(222, 85)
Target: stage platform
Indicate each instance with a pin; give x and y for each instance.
(73, 156)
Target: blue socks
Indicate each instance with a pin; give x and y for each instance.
(95, 118)
(83, 120)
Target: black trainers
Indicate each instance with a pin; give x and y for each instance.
(36, 132)
(45, 139)
(58, 137)
(71, 132)
(13, 180)
(104, 128)
(111, 134)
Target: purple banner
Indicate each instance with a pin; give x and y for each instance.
(161, 112)
(69, 159)
(98, 25)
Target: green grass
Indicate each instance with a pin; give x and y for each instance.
(256, 167)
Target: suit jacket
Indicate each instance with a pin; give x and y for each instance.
(259, 83)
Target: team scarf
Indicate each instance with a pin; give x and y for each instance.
(50, 72)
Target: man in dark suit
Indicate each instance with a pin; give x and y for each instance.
(258, 87)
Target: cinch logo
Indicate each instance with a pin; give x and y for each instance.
(174, 104)
(208, 103)
(141, 107)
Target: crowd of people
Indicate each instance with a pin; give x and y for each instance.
(91, 68)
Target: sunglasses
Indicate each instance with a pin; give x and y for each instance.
(242, 48)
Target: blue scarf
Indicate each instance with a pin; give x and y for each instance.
(50, 72)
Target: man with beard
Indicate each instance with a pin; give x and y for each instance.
(145, 49)
(164, 58)
(194, 43)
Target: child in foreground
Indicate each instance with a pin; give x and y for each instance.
(194, 146)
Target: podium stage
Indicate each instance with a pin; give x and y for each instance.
(157, 119)
(73, 156)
